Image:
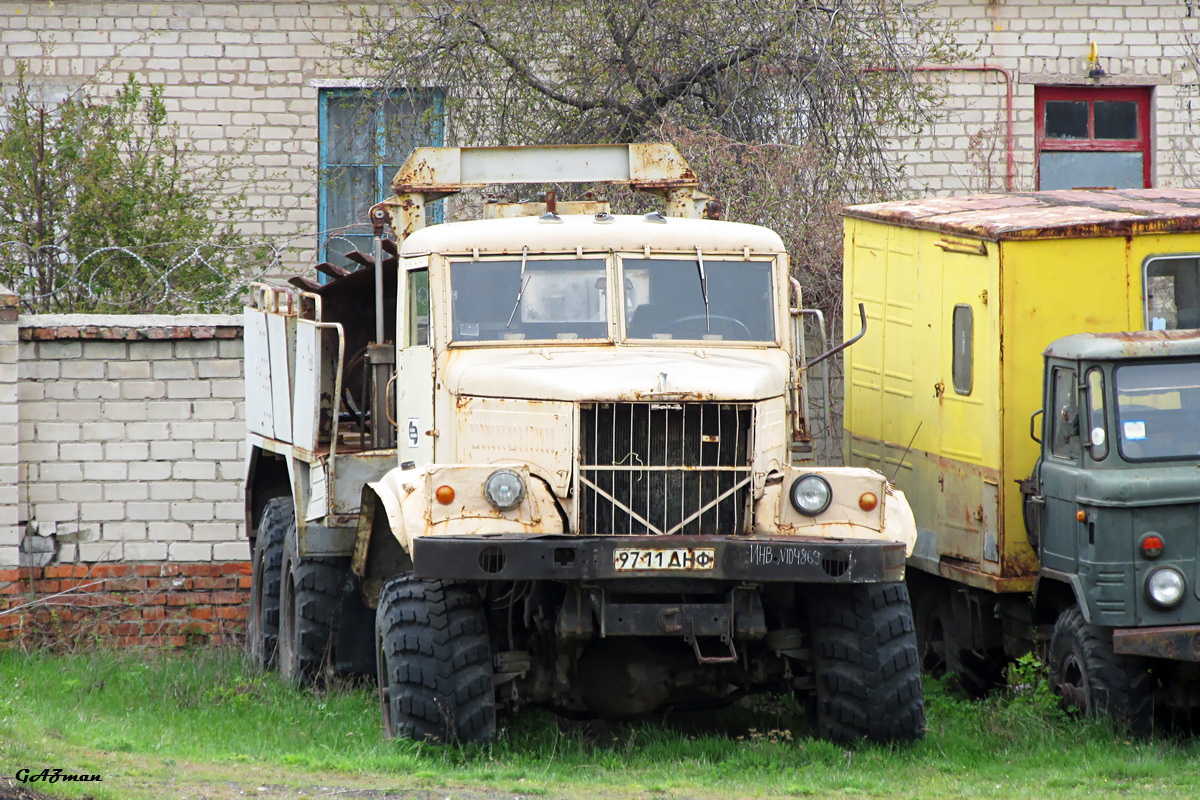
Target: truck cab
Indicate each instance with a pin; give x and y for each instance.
(1113, 509)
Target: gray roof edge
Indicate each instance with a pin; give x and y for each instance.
(1125, 345)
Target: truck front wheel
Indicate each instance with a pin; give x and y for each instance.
(263, 624)
(434, 662)
(309, 601)
(1094, 680)
(867, 671)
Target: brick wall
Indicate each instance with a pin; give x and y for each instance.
(10, 530)
(244, 78)
(1141, 43)
(164, 605)
(121, 479)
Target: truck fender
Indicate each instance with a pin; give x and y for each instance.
(381, 511)
(1055, 592)
(396, 509)
(380, 545)
(266, 476)
(899, 524)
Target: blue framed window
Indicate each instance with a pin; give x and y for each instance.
(365, 136)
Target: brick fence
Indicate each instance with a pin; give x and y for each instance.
(122, 444)
(166, 605)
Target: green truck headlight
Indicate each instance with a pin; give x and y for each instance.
(1165, 587)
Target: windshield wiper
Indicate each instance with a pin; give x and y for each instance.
(703, 287)
(520, 289)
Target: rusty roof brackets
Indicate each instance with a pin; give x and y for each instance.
(431, 173)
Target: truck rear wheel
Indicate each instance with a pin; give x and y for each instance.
(434, 662)
(941, 654)
(1094, 680)
(309, 601)
(867, 671)
(262, 635)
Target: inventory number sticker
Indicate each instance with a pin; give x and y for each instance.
(1135, 429)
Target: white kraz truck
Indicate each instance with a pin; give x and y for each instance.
(560, 457)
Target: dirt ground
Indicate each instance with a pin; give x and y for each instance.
(190, 788)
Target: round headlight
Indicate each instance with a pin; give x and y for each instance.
(811, 495)
(504, 489)
(1165, 587)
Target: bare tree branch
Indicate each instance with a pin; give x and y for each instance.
(787, 109)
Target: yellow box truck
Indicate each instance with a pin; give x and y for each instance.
(966, 296)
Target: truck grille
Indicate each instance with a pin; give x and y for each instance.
(664, 468)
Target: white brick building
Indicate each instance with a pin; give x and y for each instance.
(1027, 97)
(263, 80)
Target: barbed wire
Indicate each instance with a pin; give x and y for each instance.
(164, 277)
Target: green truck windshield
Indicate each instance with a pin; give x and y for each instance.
(1157, 408)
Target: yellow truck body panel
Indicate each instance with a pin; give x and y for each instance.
(962, 296)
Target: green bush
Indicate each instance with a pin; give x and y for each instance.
(103, 209)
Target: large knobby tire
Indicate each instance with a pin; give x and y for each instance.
(1095, 681)
(262, 635)
(865, 663)
(434, 662)
(309, 601)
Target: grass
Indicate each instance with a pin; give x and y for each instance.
(205, 724)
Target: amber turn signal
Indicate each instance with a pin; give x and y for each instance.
(1152, 546)
(444, 495)
(868, 501)
(1081, 516)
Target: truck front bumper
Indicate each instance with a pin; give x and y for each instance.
(1179, 642)
(780, 559)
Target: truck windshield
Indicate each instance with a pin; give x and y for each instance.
(665, 299)
(527, 298)
(1157, 408)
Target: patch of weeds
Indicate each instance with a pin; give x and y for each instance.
(115, 745)
(238, 695)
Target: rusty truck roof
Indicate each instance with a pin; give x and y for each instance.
(1131, 344)
(1073, 213)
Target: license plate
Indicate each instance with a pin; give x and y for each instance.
(654, 559)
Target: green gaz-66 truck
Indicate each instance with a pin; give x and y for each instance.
(558, 456)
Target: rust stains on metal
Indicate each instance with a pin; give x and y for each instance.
(1127, 344)
(1149, 337)
(1075, 213)
(1178, 642)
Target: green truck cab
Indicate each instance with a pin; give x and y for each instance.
(1113, 512)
